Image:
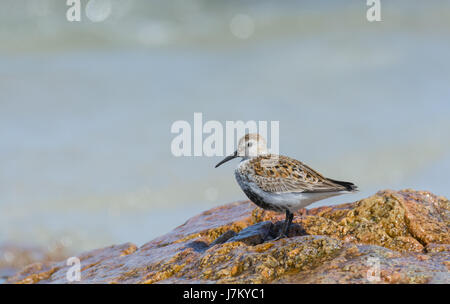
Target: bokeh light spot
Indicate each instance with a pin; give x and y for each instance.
(98, 10)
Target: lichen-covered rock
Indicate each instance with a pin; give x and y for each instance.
(391, 237)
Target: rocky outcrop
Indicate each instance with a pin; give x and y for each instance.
(390, 237)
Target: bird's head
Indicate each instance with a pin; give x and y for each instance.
(250, 145)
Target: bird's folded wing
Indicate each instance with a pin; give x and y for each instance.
(283, 174)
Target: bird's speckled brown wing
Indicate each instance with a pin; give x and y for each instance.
(285, 174)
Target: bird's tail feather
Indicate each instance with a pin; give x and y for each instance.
(349, 186)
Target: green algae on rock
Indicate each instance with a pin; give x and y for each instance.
(405, 232)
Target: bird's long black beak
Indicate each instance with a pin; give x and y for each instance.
(230, 157)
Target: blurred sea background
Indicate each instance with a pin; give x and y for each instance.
(86, 107)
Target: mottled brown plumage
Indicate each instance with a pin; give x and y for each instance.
(287, 175)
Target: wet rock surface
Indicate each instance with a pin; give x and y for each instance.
(390, 237)
(254, 234)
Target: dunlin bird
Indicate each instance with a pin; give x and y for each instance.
(280, 183)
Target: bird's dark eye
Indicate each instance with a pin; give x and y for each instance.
(249, 144)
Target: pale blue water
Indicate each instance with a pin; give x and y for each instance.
(86, 109)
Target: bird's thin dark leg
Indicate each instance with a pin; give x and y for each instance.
(287, 222)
